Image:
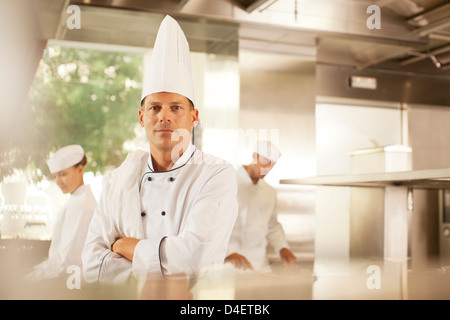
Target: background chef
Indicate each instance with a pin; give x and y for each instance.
(70, 230)
(257, 223)
(170, 212)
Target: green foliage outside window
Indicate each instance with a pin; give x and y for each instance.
(79, 96)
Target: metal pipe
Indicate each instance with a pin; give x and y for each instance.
(438, 25)
(420, 56)
(438, 36)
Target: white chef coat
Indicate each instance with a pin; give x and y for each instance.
(257, 223)
(183, 218)
(69, 235)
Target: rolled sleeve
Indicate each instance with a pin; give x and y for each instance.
(276, 235)
(147, 259)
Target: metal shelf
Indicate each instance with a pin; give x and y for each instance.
(417, 179)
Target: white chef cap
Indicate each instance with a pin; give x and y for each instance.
(267, 150)
(65, 158)
(170, 64)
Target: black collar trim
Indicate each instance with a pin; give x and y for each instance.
(151, 170)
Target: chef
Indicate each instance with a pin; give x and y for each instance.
(171, 211)
(257, 224)
(70, 230)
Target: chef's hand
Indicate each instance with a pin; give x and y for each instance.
(125, 247)
(239, 261)
(287, 256)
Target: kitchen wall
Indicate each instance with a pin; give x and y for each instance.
(278, 94)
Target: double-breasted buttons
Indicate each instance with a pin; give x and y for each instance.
(143, 214)
(170, 179)
(150, 179)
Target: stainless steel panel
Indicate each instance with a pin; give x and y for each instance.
(444, 226)
(332, 81)
(138, 28)
(339, 25)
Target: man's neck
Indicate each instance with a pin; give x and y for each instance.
(249, 169)
(161, 165)
(163, 160)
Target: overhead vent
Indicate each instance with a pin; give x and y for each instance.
(250, 5)
(140, 5)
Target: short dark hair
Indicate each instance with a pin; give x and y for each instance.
(191, 104)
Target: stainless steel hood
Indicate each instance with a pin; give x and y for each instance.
(250, 5)
(414, 34)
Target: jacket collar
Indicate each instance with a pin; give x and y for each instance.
(185, 157)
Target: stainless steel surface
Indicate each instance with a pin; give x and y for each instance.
(139, 28)
(422, 179)
(417, 87)
(336, 28)
(444, 226)
(324, 279)
(332, 33)
(379, 216)
(250, 5)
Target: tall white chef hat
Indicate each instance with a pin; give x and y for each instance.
(268, 150)
(65, 158)
(170, 64)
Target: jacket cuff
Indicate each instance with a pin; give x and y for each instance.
(114, 269)
(147, 259)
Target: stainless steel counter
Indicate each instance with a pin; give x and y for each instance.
(379, 220)
(421, 179)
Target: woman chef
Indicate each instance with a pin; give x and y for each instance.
(69, 233)
(172, 211)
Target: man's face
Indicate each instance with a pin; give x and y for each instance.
(167, 118)
(264, 165)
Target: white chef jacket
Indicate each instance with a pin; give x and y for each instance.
(183, 218)
(257, 223)
(69, 235)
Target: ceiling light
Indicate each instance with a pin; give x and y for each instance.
(363, 82)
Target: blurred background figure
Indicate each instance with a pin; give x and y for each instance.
(257, 224)
(70, 230)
